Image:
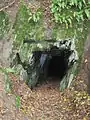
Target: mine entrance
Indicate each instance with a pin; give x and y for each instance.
(57, 67)
(50, 63)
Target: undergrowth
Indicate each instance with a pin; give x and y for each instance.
(8, 84)
(4, 24)
(67, 12)
(28, 25)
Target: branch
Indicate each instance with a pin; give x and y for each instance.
(7, 6)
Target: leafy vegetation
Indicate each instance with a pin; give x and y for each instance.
(74, 15)
(4, 24)
(8, 83)
(67, 12)
(28, 25)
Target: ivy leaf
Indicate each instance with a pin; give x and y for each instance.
(82, 18)
(84, 2)
(71, 3)
(34, 18)
(59, 5)
(53, 9)
(69, 20)
(89, 3)
(63, 4)
(74, 14)
(29, 18)
(63, 19)
(9, 70)
(78, 19)
(87, 13)
(60, 20)
(75, 2)
(80, 5)
(17, 101)
(56, 17)
(66, 24)
(7, 84)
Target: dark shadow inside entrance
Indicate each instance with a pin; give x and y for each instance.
(57, 67)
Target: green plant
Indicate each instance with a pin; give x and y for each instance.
(27, 25)
(68, 11)
(4, 24)
(35, 17)
(7, 80)
(17, 101)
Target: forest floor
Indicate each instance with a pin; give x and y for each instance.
(44, 102)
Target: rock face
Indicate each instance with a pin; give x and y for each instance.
(37, 67)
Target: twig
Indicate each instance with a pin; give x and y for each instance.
(7, 6)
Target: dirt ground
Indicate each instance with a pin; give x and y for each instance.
(46, 102)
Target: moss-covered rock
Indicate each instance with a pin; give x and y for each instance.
(29, 26)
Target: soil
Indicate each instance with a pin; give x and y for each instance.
(45, 102)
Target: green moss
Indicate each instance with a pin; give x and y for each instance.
(4, 24)
(27, 26)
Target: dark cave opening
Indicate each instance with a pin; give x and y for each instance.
(58, 64)
(49, 66)
(57, 67)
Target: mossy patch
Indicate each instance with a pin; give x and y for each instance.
(27, 26)
(4, 24)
